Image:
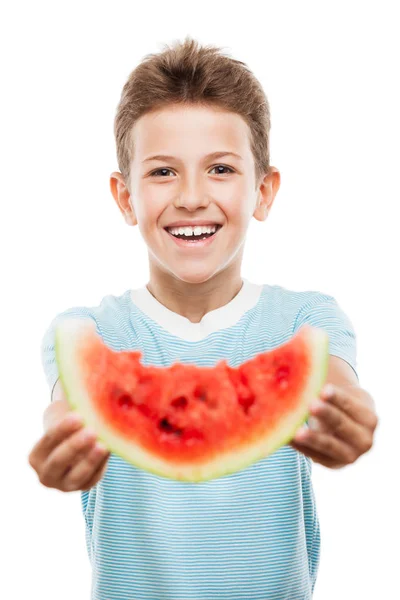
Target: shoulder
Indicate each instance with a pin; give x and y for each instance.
(298, 296)
(111, 312)
(297, 307)
(296, 302)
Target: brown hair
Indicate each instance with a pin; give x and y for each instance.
(187, 73)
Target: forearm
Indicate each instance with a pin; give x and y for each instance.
(57, 409)
(54, 413)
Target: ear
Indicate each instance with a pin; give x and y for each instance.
(267, 191)
(122, 197)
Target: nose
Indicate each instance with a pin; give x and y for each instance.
(191, 195)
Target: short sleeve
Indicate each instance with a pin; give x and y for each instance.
(324, 312)
(47, 348)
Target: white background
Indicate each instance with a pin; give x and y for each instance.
(330, 71)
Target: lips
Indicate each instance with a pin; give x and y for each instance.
(193, 224)
(218, 227)
(191, 243)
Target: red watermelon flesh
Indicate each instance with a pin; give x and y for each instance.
(188, 422)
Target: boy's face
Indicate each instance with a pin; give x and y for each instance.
(189, 187)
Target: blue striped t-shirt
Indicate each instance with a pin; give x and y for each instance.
(251, 535)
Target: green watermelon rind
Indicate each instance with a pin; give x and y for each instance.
(70, 332)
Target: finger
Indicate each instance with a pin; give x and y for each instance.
(54, 436)
(66, 454)
(325, 444)
(316, 424)
(316, 456)
(85, 470)
(338, 423)
(346, 399)
(97, 475)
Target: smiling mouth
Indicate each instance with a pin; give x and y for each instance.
(194, 238)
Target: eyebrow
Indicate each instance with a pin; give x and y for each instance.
(212, 155)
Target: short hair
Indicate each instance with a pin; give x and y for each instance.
(188, 73)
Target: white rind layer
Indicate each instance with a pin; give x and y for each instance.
(71, 332)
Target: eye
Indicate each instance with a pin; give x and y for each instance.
(222, 167)
(154, 173)
(165, 170)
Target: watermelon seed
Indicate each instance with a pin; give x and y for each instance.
(200, 394)
(166, 426)
(246, 402)
(125, 401)
(180, 402)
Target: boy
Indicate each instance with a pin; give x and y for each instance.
(192, 135)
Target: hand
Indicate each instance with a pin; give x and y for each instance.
(67, 456)
(346, 428)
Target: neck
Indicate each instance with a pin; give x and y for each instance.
(194, 300)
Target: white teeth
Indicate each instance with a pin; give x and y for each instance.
(198, 230)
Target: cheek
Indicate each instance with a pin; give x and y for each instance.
(237, 210)
(149, 206)
(236, 200)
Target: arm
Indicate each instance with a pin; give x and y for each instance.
(346, 420)
(68, 456)
(342, 375)
(58, 408)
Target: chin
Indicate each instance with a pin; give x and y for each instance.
(192, 273)
(192, 276)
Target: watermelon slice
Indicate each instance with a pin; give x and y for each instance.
(186, 422)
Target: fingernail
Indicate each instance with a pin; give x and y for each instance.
(328, 390)
(301, 434)
(74, 419)
(316, 404)
(88, 434)
(101, 448)
(314, 423)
